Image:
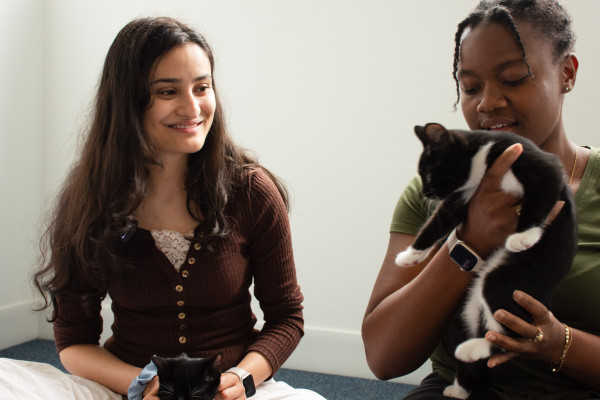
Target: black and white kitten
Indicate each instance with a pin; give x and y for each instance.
(185, 378)
(534, 259)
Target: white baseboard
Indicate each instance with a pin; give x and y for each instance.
(340, 353)
(18, 324)
(321, 350)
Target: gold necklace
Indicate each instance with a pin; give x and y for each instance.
(573, 168)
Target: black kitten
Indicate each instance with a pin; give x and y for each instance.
(452, 165)
(185, 378)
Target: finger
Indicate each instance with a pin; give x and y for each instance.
(232, 393)
(555, 211)
(509, 344)
(505, 160)
(538, 311)
(227, 380)
(515, 324)
(501, 358)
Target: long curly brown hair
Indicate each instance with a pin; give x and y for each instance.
(108, 182)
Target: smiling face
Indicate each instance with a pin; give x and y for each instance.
(499, 93)
(182, 104)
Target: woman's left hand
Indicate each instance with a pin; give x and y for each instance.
(547, 349)
(231, 388)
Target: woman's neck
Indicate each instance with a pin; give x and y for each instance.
(165, 204)
(168, 180)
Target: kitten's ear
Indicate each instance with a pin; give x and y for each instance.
(437, 133)
(420, 132)
(433, 133)
(158, 361)
(216, 360)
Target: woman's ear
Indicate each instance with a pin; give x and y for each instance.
(570, 66)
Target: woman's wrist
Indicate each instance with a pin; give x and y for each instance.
(557, 365)
(140, 382)
(484, 250)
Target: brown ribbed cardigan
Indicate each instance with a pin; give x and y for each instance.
(205, 307)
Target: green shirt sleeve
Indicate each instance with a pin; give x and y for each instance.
(412, 209)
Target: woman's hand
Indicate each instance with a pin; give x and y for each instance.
(151, 391)
(492, 204)
(547, 349)
(231, 388)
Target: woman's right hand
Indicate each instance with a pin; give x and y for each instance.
(492, 215)
(231, 388)
(151, 391)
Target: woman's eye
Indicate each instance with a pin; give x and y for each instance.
(515, 82)
(165, 92)
(203, 88)
(470, 90)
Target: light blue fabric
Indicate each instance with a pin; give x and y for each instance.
(137, 386)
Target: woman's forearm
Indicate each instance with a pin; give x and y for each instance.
(582, 362)
(409, 310)
(97, 364)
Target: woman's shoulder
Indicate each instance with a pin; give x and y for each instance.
(256, 179)
(258, 186)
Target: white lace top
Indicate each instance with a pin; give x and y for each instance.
(173, 244)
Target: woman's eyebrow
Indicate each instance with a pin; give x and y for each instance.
(499, 68)
(177, 80)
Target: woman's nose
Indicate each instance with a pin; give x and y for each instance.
(491, 99)
(189, 106)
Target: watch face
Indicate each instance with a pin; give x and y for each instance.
(248, 383)
(463, 257)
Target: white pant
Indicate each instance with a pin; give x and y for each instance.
(272, 390)
(26, 380)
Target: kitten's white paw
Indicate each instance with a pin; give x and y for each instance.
(522, 241)
(473, 350)
(456, 391)
(410, 257)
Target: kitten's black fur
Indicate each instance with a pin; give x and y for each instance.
(185, 378)
(534, 266)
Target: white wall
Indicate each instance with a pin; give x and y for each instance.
(325, 93)
(21, 125)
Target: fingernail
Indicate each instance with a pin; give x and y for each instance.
(516, 149)
(517, 294)
(491, 364)
(500, 315)
(490, 337)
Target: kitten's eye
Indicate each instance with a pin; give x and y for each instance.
(428, 177)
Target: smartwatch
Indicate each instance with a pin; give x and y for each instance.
(466, 258)
(246, 379)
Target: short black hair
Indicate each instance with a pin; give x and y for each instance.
(547, 16)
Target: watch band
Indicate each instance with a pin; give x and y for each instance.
(246, 379)
(463, 255)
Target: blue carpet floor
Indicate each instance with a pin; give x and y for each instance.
(332, 387)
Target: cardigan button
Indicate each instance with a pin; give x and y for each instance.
(181, 315)
(185, 273)
(180, 303)
(192, 260)
(179, 288)
(182, 339)
(197, 246)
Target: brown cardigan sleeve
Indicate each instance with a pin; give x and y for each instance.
(78, 319)
(272, 265)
